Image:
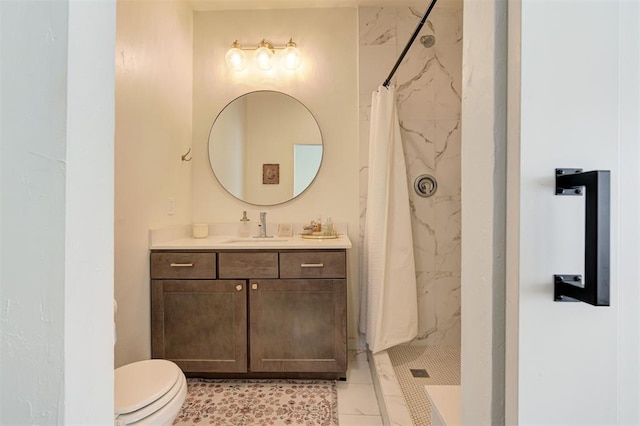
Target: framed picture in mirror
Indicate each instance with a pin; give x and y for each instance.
(270, 174)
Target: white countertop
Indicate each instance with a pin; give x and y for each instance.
(230, 242)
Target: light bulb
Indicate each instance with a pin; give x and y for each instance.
(263, 56)
(235, 57)
(291, 56)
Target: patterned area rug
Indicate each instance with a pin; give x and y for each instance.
(259, 402)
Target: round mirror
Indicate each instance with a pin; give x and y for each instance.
(265, 148)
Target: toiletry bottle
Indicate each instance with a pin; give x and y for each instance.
(330, 229)
(325, 227)
(319, 224)
(245, 228)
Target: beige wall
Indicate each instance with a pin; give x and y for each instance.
(153, 129)
(326, 83)
(230, 149)
(274, 126)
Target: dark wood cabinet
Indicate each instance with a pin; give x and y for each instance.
(253, 313)
(200, 324)
(298, 325)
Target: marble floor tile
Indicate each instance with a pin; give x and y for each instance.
(398, 411)
(359, 371)
(353, 420)
(358, 399)
(389, 385)
(395, 404)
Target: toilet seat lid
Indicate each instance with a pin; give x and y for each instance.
(141, 383)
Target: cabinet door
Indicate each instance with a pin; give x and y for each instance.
(201, 325)
(298, 325)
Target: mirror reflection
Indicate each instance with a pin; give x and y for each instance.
(265, 148)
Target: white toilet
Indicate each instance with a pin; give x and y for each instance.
(149, 392)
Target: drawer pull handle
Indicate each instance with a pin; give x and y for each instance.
(182, 265)
(239, 287)
(312, 265)
(254, 286)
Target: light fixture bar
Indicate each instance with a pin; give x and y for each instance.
(263, 56)
(264, 43)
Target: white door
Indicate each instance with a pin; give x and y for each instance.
(579, 93)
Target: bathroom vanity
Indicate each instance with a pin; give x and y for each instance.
(249, 308)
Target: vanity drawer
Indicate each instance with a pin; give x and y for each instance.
(248, 264)
(313, 264)
(183, 265)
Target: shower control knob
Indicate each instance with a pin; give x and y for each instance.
(425, 185)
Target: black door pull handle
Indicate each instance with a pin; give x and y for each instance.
(597, 186)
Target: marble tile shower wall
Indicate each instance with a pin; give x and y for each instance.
(428, 85)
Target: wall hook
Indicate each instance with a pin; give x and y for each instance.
(184, 156)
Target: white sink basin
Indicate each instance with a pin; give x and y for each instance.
(251, 240)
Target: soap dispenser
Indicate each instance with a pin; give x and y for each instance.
(245, 228)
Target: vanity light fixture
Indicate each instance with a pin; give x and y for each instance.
(263, 56)
(291, 56)
(235, 57)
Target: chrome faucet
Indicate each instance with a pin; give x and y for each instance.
(263, 225)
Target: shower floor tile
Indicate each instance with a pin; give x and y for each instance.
(443, 366)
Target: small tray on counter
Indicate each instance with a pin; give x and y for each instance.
(320, 237)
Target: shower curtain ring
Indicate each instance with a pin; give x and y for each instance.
(425, 185)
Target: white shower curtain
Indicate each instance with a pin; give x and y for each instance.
(388, 294)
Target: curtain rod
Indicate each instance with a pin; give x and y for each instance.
(406, 48)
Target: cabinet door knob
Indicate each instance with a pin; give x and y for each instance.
(239, 287)
(254, 286)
